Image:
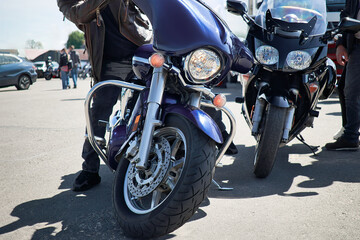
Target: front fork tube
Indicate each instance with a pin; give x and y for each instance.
(151, 120)
(257, 115)
(259, 109)
(288, 123)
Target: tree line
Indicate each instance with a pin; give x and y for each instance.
(75, 38)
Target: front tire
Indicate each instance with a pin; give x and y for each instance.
(268, 140)
(146, 211)
(48, 76)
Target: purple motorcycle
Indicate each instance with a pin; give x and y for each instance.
(162, 146)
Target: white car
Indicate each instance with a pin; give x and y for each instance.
(40, 68)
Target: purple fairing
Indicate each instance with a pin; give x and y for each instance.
(141, 68)
(182, 26)
(117, 139)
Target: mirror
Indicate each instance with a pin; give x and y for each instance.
(349, 25)
(236, 7)
(258, 3)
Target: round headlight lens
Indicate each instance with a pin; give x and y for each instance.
(202, 65)
(267, 55)
(298, 60)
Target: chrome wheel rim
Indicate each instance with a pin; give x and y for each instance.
(167, 159)
(24, 82)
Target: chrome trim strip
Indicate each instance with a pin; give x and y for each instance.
(206, 91)
(140, 59)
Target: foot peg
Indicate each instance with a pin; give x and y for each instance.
(239, 99)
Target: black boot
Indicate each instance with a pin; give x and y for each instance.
(85, 181)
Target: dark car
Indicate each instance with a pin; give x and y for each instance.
(15, 71)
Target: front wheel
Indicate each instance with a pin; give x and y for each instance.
(158, 200)
(268, 140)
(23, 82)
(48, 76)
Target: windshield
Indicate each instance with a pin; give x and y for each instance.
(295, 11)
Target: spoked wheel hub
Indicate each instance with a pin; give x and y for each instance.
(143, 182)
(145, 190)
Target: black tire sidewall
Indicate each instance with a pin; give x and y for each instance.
(126, 217)
(268, 145)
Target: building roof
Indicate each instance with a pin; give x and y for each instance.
(32, 54)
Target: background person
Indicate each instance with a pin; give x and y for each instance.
(348, 52)
(75, 58)
(64, 69)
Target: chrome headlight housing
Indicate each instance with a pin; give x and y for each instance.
(267, 55)
(298, 60)
(202, 65)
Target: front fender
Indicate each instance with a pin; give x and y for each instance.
(279, 101)
(198, 117)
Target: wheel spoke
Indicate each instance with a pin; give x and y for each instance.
(170, 182)
(175, 147)
(156, 196)
(177, 164)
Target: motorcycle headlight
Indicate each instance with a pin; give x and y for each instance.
(298, 60)
(267, 55)
(202, 65)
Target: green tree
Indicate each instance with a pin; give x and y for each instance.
(32, 44)
(76, 38)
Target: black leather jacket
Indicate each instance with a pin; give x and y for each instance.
(87, 17)
(351, 10)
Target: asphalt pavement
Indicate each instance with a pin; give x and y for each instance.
(306, 196)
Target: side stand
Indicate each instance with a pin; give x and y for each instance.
(221, 188)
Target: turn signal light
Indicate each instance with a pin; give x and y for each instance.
(313, 87)
(157, 60)
(136, 123)
(246, 77)
(219, 100)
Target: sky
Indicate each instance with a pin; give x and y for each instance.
(41, 21)
(38, 20)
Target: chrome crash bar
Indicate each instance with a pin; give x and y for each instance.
(89, 128)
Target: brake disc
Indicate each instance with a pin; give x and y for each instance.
(143, 182)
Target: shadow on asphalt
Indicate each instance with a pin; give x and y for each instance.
(90, 215)
(87, 215)
(326, 168)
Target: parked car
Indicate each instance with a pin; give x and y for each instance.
(40, 68)
(17, 72)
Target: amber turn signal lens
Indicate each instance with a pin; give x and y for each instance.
(219, 100)
(136, 123)
(246, 77)
(157, 60)
(313, 87)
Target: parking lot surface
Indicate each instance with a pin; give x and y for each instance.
(42, 130)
